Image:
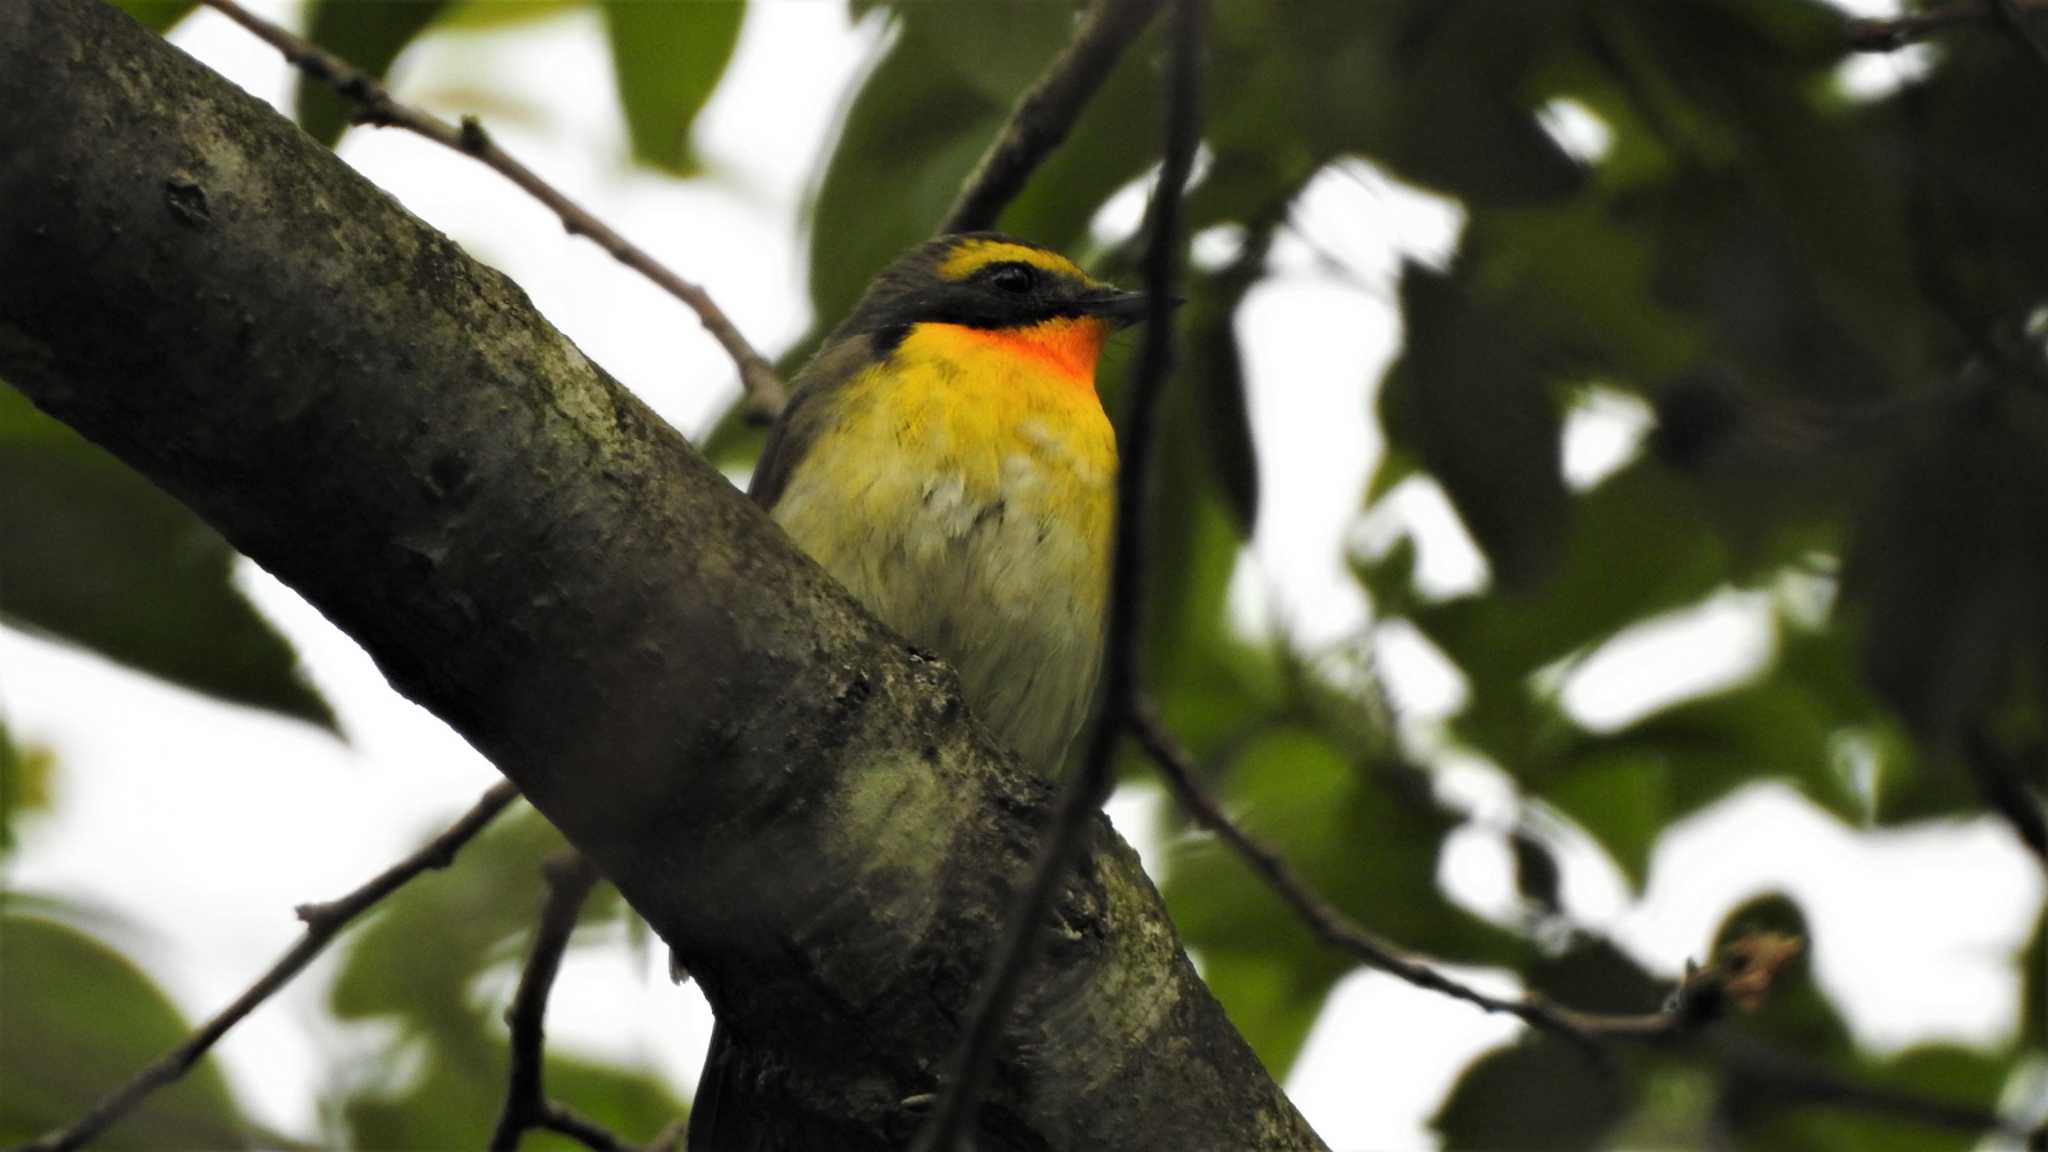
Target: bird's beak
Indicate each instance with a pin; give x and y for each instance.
(1122, 309)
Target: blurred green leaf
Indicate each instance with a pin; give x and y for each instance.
(1805, 719)
(157, 15)
(369, 34)
(667, 59)
(479, 14)
(420, 964)
(94, 553)
(80, 1020)
(454, 1097)
(1638, 547)
(476, 916)
(915, 130)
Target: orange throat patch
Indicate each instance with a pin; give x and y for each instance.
(1069, 347)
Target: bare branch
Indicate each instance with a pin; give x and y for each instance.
(1338, 931)
(765, 391)
(1081, 797)
(323, 923)
(1046, 112)
(569, 881)
(1891, 34)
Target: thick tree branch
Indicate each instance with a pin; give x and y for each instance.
(794, 799)
(765, 391)
(323, 923)
(569, 881)
(1046, 112)
(1082, 795)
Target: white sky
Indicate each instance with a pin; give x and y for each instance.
(195, 827)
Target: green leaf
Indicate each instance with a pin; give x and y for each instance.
(1637, 548)
(418, 965)
(474, 915)
(369, 34)
(667, 59)
(481, 14)
(94, 553)
(452, 1098)
(157, 15)
(914, 130)
(80, 1020)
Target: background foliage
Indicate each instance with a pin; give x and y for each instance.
(1834, 306)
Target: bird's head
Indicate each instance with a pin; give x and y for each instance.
(987, 286)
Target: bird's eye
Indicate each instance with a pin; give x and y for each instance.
(1012, 278)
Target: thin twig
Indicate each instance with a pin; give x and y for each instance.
(1046, 112)
(323, 922)
(765, 391)
(1082, 795)
(569, 881)
(1338, 931)
(1893, 33)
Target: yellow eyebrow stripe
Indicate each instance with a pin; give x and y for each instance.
(971, 256)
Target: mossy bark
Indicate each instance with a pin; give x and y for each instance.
(794, 799)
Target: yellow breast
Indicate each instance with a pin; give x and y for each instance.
(963, 491)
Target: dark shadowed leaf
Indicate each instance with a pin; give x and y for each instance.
(1950, 569)
(1479, 411)
(157, 15)
(80, 1020)
(368, 34)
(910, 138)
(1463, 118)
(1538, 1095)
(667, 59)
(93, 553)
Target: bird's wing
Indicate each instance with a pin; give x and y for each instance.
(808, 414)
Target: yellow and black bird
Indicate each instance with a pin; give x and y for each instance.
(946, 458)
